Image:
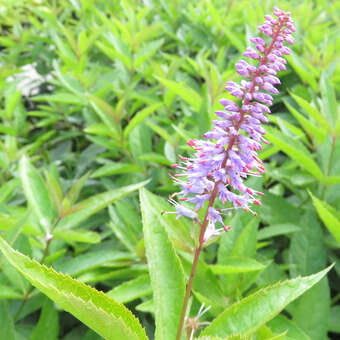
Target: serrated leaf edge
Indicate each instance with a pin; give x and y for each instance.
(277, 284)
(6, 249)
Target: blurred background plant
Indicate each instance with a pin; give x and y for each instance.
(96, 96)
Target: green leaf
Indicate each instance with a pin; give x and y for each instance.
(157, 158)
(308, 126)
(140, 141)
(313, 112)
(228, 240)
(300, 68)
(127, 228)
(161, 131)
(147, 52)
(104, 106)
(206, 286)
(307, 252)
(235, 39)
(48, 325)
(291, 130)
(107, 114)
(329, 217)
(147, 306)
(281, 324)
(166, 273)
(262, 306)
(316, 304)
(65, 98)
(274, 210)
(70, 83)
(108, 318)
(140, 116)
(231, 337)
(177, 229)
(235, 264)
(217, 338)
(118, 49)
(78, 235)
(245, 244)
(90, 206)
(37, 193)
(6, 323)
(74, 192)
(92, 259)
(281, 336)
(14, 277)
(116, 168)
(292, 149)
(7, 189)
(98, 129)
(7, 292)
(329, 103)
(8, 130)
(265, 333)
(131, 290)
(12, 101)
(203, 117)
(333, 321)
(186, 93)
(332, 180)
(277, 230)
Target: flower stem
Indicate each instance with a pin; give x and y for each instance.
(188, 291)
(195, 262)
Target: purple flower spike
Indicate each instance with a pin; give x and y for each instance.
(229, 155)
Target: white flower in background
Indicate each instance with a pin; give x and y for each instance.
(29, 80)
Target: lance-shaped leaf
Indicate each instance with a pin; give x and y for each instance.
(329, 102)
(300, 67)
(90, 206)
(247, 315)
(147, 51)
(105, 316)
(36, 193)
(185, 92)
(116, 168)
(313, 112)
(79, 235)
(6, 323)
(329, 216)
(231, 337)
(140, 116)
(131, 290)
(282, 324)
(295, 150)
(306, 124)
(237, 264)
(48, 325)
(166, 273)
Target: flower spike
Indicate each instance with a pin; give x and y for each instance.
(229, 152)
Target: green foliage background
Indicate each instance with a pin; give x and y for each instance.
(97, 99)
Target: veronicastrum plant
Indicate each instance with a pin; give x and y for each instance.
(224, 297)
(218, 168)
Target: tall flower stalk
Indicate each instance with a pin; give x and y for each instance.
(229, 152)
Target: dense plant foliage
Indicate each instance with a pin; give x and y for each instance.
(98, 99)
